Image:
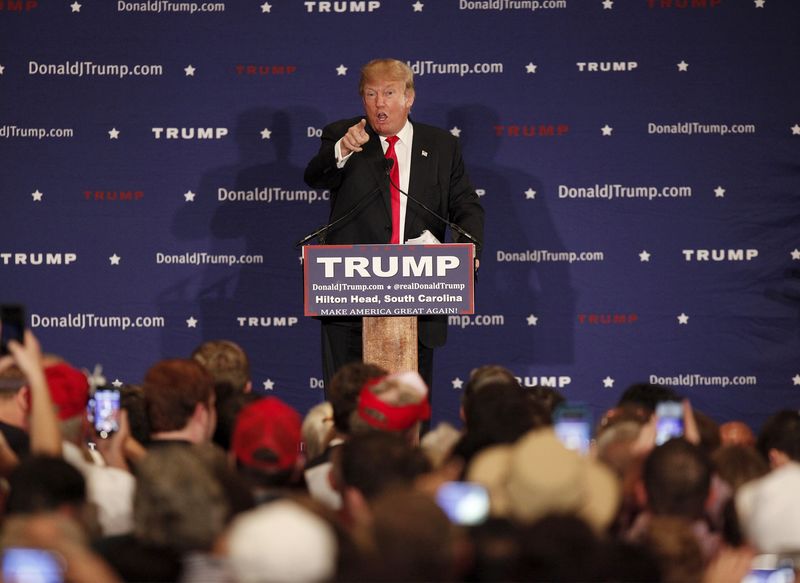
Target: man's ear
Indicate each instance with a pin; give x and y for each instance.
(777, 458)
(248, 388)
(409, 98)
(356, 506)
(24, 399)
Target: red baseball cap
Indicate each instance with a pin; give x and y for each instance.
(69, 389)
(267, 435)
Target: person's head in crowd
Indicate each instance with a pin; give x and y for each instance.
(228, 410)
(488, 374)
(15, 403)
(69, 389)
(316, 429)
(179, 395)
(495, 550)
(537, 476)
(710, 438)
(779, 438)
(266, 443)
(414, 540)
(558, 547)
(131, 398)
(282, 541)
(548, 398)
(679, 554)
(345, 388)
(228, 364)
(614, 445)
(677, 480)
(736, 433)
(369, 464)
(499, 412)
(178, 504)
(647, 396)
(738, 464)
(46, 484)
(397, 404)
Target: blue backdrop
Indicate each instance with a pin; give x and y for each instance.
(638, 161)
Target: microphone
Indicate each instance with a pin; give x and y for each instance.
(453, 226)
(322, 231)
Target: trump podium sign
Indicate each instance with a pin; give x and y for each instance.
(388, 280)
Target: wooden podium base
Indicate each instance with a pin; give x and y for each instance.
(391, 342)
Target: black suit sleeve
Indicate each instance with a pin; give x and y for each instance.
(322, 171)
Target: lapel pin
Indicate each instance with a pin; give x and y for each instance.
(424, 153)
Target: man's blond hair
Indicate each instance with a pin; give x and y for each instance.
(386, 69)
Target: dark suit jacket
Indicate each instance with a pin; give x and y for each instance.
(437, 178)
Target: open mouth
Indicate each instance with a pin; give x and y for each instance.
(382, 117)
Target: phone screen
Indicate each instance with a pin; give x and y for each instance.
(669, 421)
(104, 411)
(22, 565)
(465, 503)
(572, 424)
(12, 317)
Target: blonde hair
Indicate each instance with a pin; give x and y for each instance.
(386, 69)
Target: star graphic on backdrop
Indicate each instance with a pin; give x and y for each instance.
(2, 69)
(608, 382)
(532, 320)
(75, 7)
(530, 193)
(266, 134)
(644, 256)
(457, 383)
(719, 192)
(759, 3)
(530, 67)
(796, 255)
(113, 134)
(189, 70)
(341, 70)
(683, 66)
(191, 322)
(114, 259)
(189, 196)
(37, 196)
(266, 7)
(796, 130)
(456, 131)
(608, 4)
(117, 383)
(418, 6)
(606, 129)
(796, 380)
(269, 384)
(683, 319)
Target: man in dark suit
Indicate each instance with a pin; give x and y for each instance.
(426, 163)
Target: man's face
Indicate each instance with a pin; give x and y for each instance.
(387, 104)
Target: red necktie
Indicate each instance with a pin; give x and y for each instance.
(394, 176)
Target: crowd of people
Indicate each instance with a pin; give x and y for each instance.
(203, 480)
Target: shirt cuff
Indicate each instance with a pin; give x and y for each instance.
(337, 151)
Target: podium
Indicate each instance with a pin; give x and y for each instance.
(389, 286)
